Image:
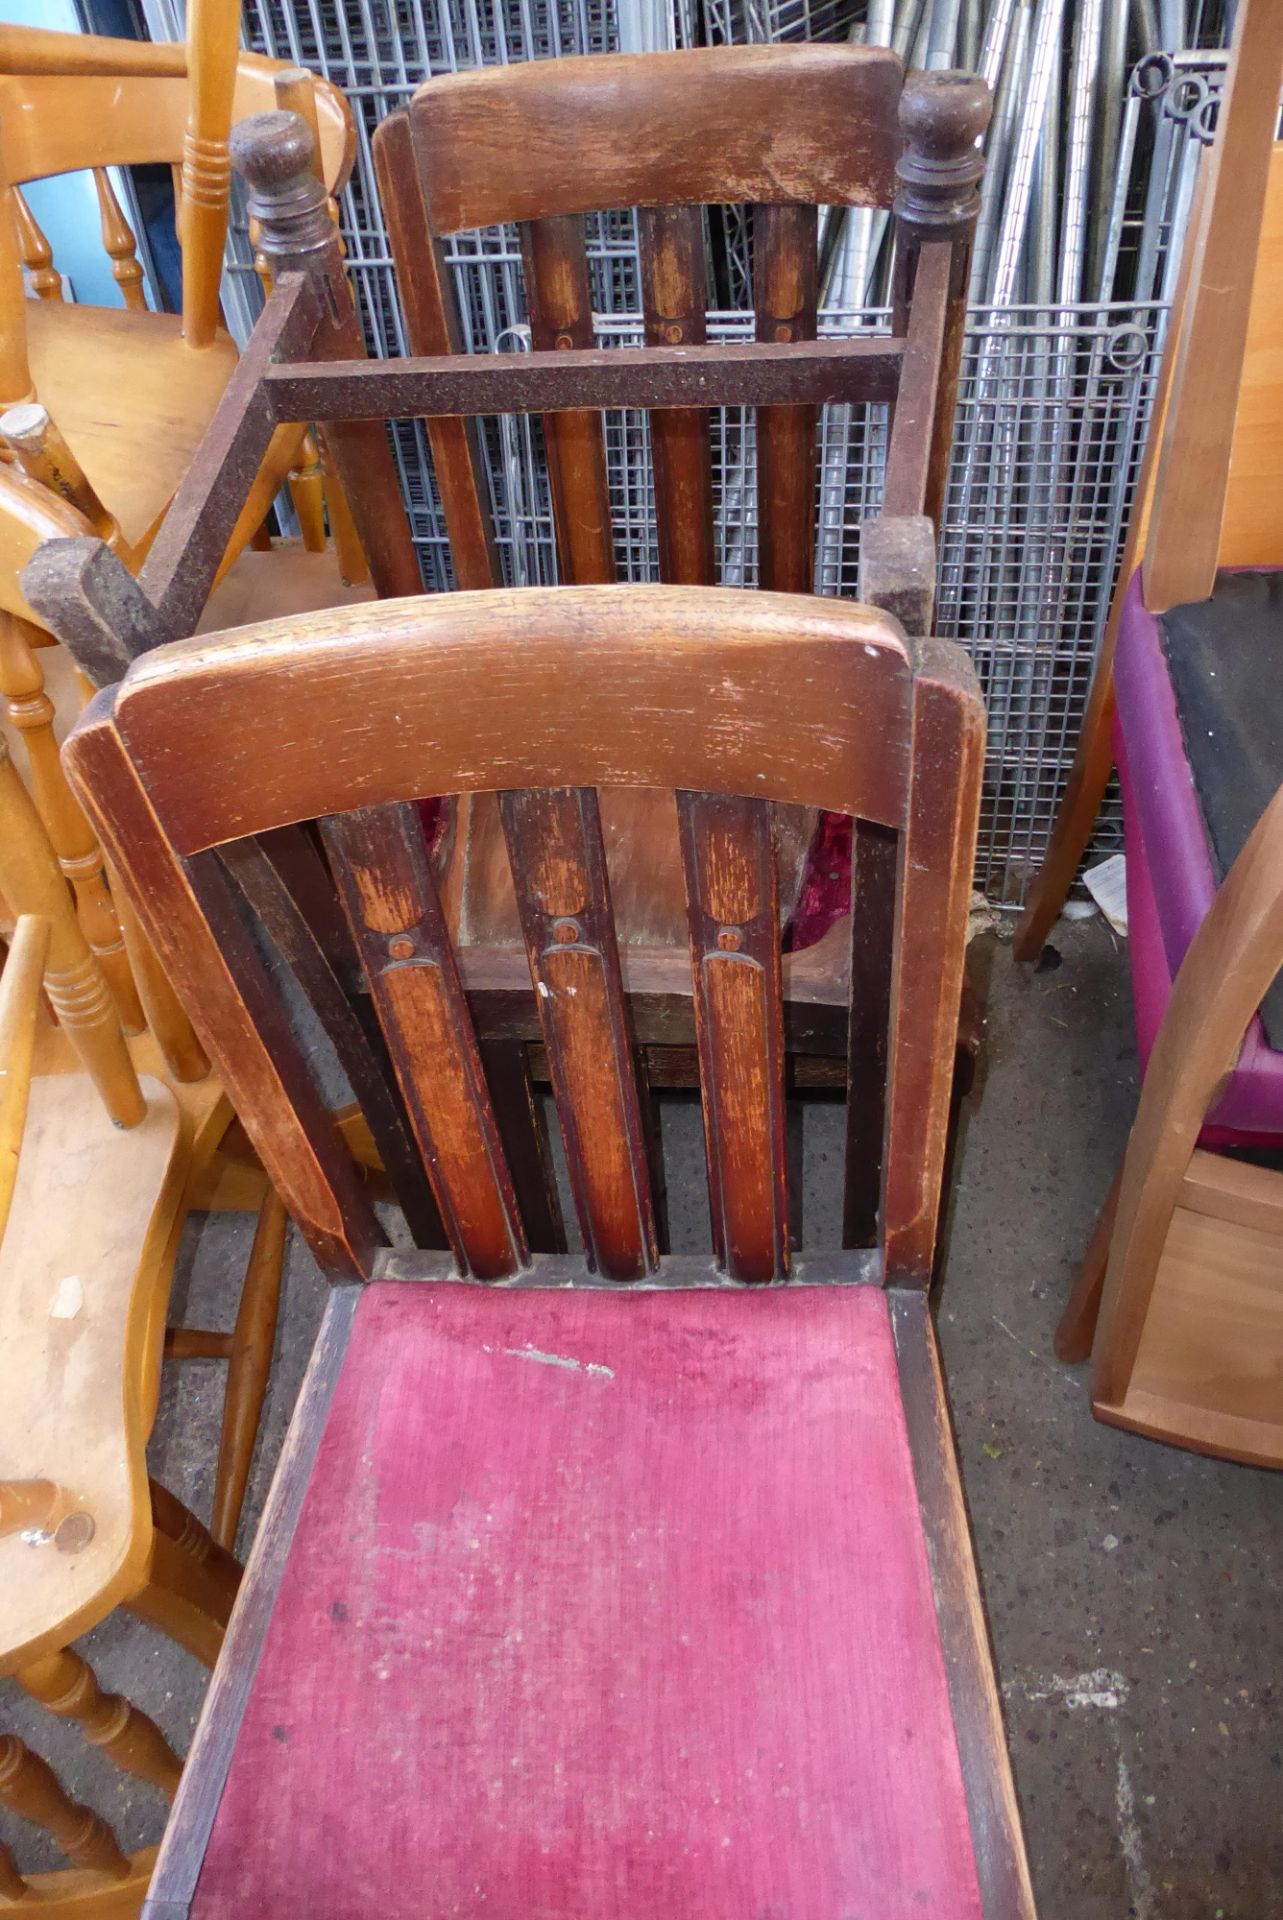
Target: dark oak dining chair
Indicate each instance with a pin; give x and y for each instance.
(774, 133)
(600, 1582)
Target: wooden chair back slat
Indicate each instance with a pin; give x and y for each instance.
(733, 905)
(558, 865)
(390, 898)
(37, 254)
(364, 1061)
(936, 856)
(785, 295)
(1200, 516)
(560, 297)
(1252, 530)
(430, 308)
(671, 245)
(673, 129)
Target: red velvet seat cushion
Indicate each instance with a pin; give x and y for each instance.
(604, 1606)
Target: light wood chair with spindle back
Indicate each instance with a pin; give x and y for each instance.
(92, 1194)
(47, 832)
(131, 392)
(782, 131)
(637, 1583)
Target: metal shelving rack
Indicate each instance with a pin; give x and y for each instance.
(1053, 406)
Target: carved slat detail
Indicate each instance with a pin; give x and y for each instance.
(68, 1686)
(30, 1788)
(390, 898)
(118, 239)
(785, 293)
(733, 905)
(673, 299)
(559, 871)
(36, 253)
(560, 298)
(31, 713)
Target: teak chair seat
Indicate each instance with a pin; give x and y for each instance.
(638, 1583)
(132, 392)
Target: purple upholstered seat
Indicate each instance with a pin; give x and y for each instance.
(1172, 867)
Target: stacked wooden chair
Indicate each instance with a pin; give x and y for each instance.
(670, 132)
(672, 137)
(1189, 1346)
(635, 1581)
(96, 1164)
(130, 392)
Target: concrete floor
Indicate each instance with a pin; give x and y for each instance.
(1132, 1589)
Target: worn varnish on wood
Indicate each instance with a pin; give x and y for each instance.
(545, 1456)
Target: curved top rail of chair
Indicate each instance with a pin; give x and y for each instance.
(660, 128)
(673, 687)
(57, 122)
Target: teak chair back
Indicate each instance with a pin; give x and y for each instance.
(1208, 491)
(622, 686)
(546, 143)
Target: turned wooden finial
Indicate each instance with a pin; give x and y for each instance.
(273, 154)
(942, 116)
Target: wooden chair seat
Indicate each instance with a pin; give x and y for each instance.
(612, 1604)
(83, 359)
(268, 585)
(1209, 1367)
(91, 1219)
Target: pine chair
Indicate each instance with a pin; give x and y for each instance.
(132, 392)
(109, 1162)
(1189, 1342)
(631, 1583)
(776, 132)
(50, 1541)
(1206, 502)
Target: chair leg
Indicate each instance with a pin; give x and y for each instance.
(307, 494)
(1088, 778)
(191, 1580)
(68, 1686)
(353, 565)
(1077, 1327)
(248, 1368)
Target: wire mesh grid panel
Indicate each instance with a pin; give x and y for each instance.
(1053, 403)
(1052, 414)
